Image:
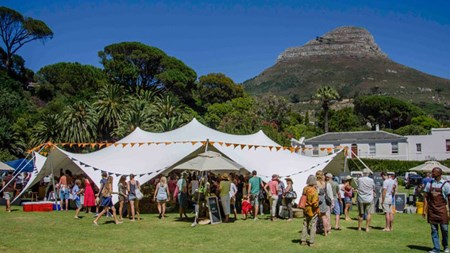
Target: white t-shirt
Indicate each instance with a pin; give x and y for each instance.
(388, 185)
(233, 190)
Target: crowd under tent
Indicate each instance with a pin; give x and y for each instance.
(148, 154)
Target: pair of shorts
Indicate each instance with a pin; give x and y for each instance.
(131, 197)
(337, 207)
(161, 200)
(7, 195)
(64, 194)
(365, 208)
(388, 208)
(78, 203)
(182, 199)
(254, 199)
(347, 200)
(106, 202)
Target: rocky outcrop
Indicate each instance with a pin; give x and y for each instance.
(343, 41)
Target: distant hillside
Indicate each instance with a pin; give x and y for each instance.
(349, 60)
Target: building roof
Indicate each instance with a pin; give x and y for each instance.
(355, 137)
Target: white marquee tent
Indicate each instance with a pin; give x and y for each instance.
(148, 154)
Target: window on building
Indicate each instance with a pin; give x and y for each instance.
(447, 145)
(315, 150)
(419, 147)
(395, 148)
(372, 149)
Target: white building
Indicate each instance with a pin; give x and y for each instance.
(435, 146)
(365, 144)
(382, 145)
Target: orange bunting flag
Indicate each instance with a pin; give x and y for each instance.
(220, 143)
(93, 145)
(101, 145)
(108, 144)
(250, 146)
(297, 149)
(291, 149)
(211, 142)
(79, 145)
(235, 145)
(194, 142)
(277, 148)
(270, 148)
(132, 144)
(322, 149)
(227, 144)
(124, 145)
(284, 148)
(116, 144)
(168, 143)
(141, 143)
(329, 149)
(70, 145)
(203, 143)
(243, 146)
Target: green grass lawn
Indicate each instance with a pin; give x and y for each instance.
(60, 232)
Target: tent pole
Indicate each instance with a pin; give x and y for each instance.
(206, 146)
(360, 160)
(20, 170)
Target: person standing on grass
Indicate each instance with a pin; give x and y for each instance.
(224, 193)
(271, 189)
(311, 211)
(99, 194)
(436, 195)
(348, 195)
(288, 201)
(161, 196)
(233, 192)
(254, 186)
(182, 195)
(324, 190)
(386, 201)
(336, 209)
(281, 190)
(134, 202)
(106, 202)
(76, 192)
(64, 192)
(123, 196)
(8, 192)
(366, 191)
(89, 197)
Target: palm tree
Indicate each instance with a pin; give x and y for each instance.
(169, 113)
(140, 114)
(79, 123)
(111, 105)
(48, 129)
(326, 95)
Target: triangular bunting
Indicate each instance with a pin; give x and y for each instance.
(95, 169)
(141, 143)
(167, 143)
(100, 145)
(149, 173)
(277, 148)
(116, 144)
(211, 142)
(203, 143)
(73, 159)
(82, 164)
(227, 144)
(132, 144)
(235, 145)
(220, 143)
(124, 145)
(194, 142)
(270, 148)
(108, 144)
(250, 146)
(117, 174)
(243, 146)
(93, 145)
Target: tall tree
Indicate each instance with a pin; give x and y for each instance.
(111, 105)
(17, 30)
(326, 95)
(217, 88)
(79, 123)
(139, 66)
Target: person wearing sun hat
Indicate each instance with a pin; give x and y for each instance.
(224, 193)
(288, 201)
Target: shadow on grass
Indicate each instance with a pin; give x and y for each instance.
(377, 228)
(417, 247)
(297, 241)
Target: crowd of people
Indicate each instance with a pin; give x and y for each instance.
(249, 195)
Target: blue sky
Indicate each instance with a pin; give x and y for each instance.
(237, 38)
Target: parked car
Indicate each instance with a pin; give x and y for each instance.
(413, 180)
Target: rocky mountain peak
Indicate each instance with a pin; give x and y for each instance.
(347, 41)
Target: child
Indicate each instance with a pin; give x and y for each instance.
(246, 207)
(76, 191)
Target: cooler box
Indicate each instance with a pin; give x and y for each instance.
(42, 206)
(27, 206)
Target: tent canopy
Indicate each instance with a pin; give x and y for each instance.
(5, 167)
(148, 154)
(428, 167)
(22, 164)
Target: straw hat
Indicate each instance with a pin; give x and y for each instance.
(329, 175)
(224, 176)
(348, 177)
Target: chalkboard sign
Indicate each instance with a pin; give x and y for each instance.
(214, 210)
(400, 202)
